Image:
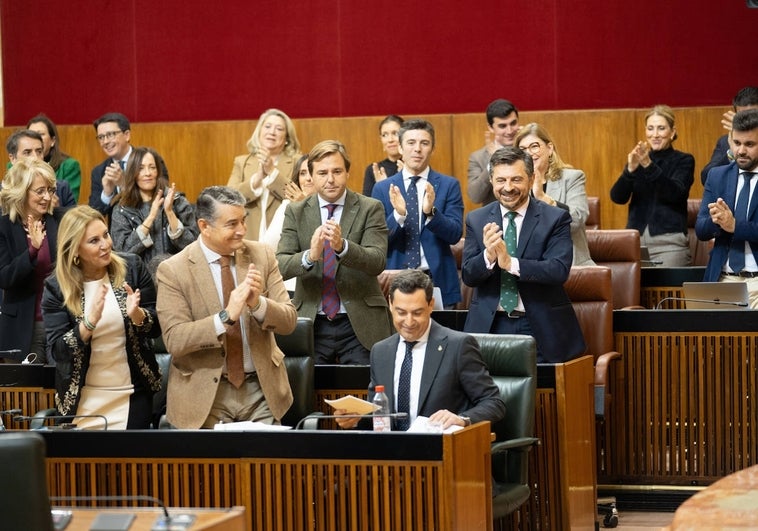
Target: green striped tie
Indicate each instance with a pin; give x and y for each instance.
(508, 287)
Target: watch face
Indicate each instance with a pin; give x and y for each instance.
(224, 316)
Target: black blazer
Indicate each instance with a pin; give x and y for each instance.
(96, 188)
(17, 281)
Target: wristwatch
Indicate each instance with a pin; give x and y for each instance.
(466, 420)
(432, 213)
(224, 316)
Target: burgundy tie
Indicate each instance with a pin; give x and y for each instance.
(330, 299)
(235, 371)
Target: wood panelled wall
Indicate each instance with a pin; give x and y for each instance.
(199, 154)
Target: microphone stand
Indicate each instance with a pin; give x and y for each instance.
(135, 498)
(64, 425)
(7, 412)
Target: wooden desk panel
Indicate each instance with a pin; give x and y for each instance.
(289, 480)
(684, 395)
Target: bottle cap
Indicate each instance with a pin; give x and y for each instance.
(379, 389)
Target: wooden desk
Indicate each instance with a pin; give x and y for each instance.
(683, 410)
(320, 480)
(205, 519)
(730, 503)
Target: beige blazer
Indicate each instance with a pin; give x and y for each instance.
(570, 190)
(187, 302)
(244, 167)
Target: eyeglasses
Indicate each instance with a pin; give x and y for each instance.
(110, 135)
(533, 148)
(40, 192)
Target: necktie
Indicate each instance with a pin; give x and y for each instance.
(234, 368)
(404, 387)
(330, 299)
(737, 249)
(122, 163)
(508, 287)
(412, 220)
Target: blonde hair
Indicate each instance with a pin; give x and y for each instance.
(291, 143)
(667, 113)
(17, 186)
(68, 269)
(555, 163)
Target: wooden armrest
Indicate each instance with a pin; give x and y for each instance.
(601, 366)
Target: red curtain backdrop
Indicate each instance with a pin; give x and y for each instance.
(186, 60)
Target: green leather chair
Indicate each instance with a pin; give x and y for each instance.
(512, 362)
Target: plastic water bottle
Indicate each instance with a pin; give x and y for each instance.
(381, 415)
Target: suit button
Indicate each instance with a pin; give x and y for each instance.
(215, 380)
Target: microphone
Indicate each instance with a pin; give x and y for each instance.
(135, 498)
(64, 425)
(318, 416)
(10, 412)
(707, 301)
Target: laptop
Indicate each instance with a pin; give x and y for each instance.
(715, 295)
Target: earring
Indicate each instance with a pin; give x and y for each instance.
(76, 260)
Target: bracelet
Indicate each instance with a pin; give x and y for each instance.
(144, 316)
(257, 306)
(89, 326)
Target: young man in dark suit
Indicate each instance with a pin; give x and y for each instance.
(422, 229)
(114, 136)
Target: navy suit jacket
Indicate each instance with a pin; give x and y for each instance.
(17, 280)
(722, 182)
(96, 188)
(443, 230)
(545, 252)
(454, 376)
(719, 157)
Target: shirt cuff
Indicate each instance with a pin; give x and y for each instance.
(218, 325)
(400, 219)
(179, 230)
(515, 268)
(344, 249)
(146, 239)
(106, 199)
(487, 263)
(307, 264)
(260, 313)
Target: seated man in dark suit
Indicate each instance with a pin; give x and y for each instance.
(518, 273)
(427, 369)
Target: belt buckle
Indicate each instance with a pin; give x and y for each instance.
(516, 314)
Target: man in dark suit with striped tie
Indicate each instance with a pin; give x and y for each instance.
(729, 210)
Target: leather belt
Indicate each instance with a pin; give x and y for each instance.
(743, 274)
(516, 314)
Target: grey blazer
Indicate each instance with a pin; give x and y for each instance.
(570, 190)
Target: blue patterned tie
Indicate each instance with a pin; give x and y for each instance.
(404, 387)
(737, 249)
(330, 299)
(508, 286)
(412, 220)
(122, 163)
